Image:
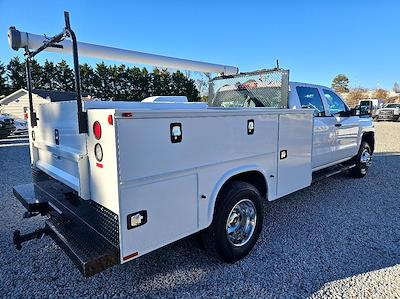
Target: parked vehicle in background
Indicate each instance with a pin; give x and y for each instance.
(4, 132)
(6, 126)
(21, 126)
(373, 104)
(390, 112)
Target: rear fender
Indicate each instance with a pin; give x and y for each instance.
(225, 178)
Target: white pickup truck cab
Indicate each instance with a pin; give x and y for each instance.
(338, 135)
(390, 111)
(117, 180)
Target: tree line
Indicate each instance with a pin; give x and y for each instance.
(341, 84)
(114, 82)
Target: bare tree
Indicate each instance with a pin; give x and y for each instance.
(380, 94)
(202, 83)
(396, 87)
(355, 95)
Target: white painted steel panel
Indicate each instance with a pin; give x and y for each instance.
(213, 149)
(295, 136)
(171, 206)
(67, 160)
(104, 173)
(347, 136)
(206, 141)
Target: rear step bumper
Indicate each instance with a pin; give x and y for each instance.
(88, 251)
(86, 231)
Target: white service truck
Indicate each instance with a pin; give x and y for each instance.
(117, 180)
(390, 112)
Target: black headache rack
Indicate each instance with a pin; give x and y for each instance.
(87, 232)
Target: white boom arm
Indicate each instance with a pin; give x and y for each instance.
(17, 40)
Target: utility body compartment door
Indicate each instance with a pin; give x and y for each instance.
(294, 152)
(58, 149)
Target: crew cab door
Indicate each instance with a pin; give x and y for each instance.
(346, 127)
(324, 137)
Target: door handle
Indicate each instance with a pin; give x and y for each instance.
(338, 125)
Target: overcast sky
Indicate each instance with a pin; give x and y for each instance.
(316, 40)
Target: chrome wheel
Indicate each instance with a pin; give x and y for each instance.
(241, 223)
(365, 160)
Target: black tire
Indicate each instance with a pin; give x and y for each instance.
(361, 168)
(215, 237)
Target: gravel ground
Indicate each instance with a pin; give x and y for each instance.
(339, 238)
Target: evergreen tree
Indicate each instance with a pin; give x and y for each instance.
(341, 83)
(64, 77)
(190, 91)
(161, 83)
(36, 74)
(3, 80)
(138, 84)
(178, 85)
(48, 80)
(183, 86)
(16, 74)
(102, 81)
(115, 86)
(87, 79)
(144, 83)
(119, 76)
(105, 82)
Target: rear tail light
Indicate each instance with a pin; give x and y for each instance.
(97, 130)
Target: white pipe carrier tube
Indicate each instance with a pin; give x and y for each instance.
(17, 40)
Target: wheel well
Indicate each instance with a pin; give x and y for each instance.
(254, 178)
(369, 137)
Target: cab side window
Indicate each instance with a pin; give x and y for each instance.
(335, 103)
(310, 98)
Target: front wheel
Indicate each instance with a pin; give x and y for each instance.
(363, 161)
(236, 224)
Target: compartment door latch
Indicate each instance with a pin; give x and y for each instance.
(136, 219)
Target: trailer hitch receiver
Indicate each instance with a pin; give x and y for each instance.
(18, 239)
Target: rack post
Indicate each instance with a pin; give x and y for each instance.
(53, 42)
(82, 116)
(32, 114)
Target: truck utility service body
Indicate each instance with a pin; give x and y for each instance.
(145, 174)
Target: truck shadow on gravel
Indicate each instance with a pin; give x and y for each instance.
(337, 228)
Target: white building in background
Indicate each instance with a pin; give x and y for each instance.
(17, 103)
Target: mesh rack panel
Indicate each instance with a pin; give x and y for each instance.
(264, 88)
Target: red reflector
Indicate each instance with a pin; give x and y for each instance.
(130, 256)
(110, 119)
(97, 130)
(99, 165)
(127, 114)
